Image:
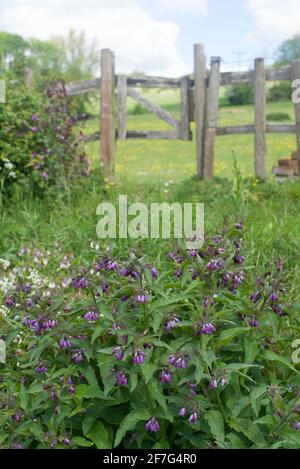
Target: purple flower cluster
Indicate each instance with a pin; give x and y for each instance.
(121, 379)
(141, 298)
(165, 376)
(41, 369)
(77, 356)
(118, 352)
(208, 328)
(172, 323)
(178, 361)
(152, 425)
(65, 343)
(139, 357)
(40, 324)
(80, 283)
(91, 316)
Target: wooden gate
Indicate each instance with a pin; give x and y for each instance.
(199, 103)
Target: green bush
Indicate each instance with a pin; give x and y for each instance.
(240, 94)
(40, 146)
(278, 117)
(139, 110)
(193, 351)
(280, 92)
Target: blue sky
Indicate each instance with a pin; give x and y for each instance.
(156, 36)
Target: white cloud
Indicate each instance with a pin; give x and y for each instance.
(126, 26)
(274, 19)
(185, 6)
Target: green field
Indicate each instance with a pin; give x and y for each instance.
(175, 160)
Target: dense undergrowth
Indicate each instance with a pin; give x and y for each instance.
(143, 344)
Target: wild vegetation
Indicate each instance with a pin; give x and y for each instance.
(143, 344)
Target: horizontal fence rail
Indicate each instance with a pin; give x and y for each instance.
(227, 78)
(199, 102)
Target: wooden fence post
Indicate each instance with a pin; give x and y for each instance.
(185, 130)
(200, 98)
(28, 75)
(107, 115)
(211, 117)
(122, 108)
(260, 120)
(296, 76)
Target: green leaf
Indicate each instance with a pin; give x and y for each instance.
(133, 378)
(148, 370)
(157, 393)
(162, 444)
(90, 376)
(246, 401)
(251, 350)
(99, 435)
(85, 391)
(129, 423)
(273, 357)
(250, 430)
(87, 423)
(106, 364)
(216, 424)
(236, 441)
(79, 441)
(227, 336)
(267, 420)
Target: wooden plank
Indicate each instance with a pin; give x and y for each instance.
(84, 86)
(200, 99)
(107, 115)
(236, 78)
(250, 129)
(211, 117)
(296, 76)
(157, 110)
(153, 82)
(281, 129)
(279, 74)
(260, 120)
(227, 78)
(185, 130)
(240, 78)
(192, 104)
(236, 130)
(152, 134)
(122, 106)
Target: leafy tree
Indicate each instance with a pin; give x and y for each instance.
(13, 50)
(288, 51)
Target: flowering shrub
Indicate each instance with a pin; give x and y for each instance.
(39, 145)
(190, 351)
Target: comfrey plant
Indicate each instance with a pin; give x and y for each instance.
(40, 140)
(191, 351)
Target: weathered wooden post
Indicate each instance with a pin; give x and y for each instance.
(185, 130)
(107, 114)
(211, 117)
(28, 75)
(200, 98)
(122, 108)
(296, 76)
(260, 120)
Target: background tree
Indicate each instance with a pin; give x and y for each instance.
(288, 51)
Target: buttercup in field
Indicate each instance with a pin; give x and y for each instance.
(137, 221)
